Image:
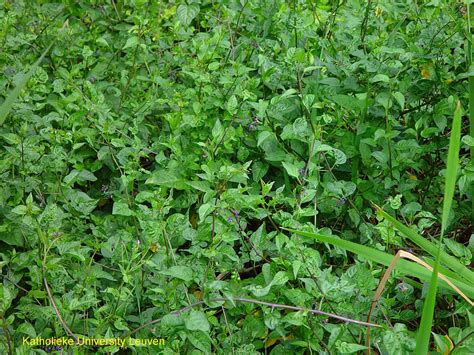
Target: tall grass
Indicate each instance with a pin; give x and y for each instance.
(471, 91)
(423, 337)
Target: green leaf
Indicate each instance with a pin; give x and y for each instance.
(5, 298)
(200, 340)
(349, 348)
(79, 175)
(20, 210)
(232, 105)
(200, 185)
(26, 328)
(131, 42)
(380, 78)
(279, 279)
(452, 166)
(258, 290)
(197, 320)
(348, 102)
(259, 170)
(187, 13)
(400, 99)
(181, 272)
(121, 208)
(291, 169)
(204, 211)
(468, 140)
(217, 130)
(263, 136)
(168, 178)
(10, 100)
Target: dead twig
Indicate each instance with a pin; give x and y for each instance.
(249, 300)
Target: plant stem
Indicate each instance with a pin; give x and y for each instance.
(471, 94)
(249, 300)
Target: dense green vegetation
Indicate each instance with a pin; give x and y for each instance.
(237, 176)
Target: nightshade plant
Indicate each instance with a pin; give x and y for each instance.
(156, 155)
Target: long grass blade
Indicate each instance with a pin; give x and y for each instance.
(424, 333)
(430, 248)
(380, 257)
(384, 279)
(10, 100)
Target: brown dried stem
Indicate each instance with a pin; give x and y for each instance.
(263, 303)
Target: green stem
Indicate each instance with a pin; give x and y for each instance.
(471, 94)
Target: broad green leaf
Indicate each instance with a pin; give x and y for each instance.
(168, 178)
(181, 272)
(187, 13)
(380, 78)
(197, 320)
(217, 130)
(279, 279)
(232, 105)
(259, 170)
(263, 136)
(204, 210)
(349, 348)
(258, 290)
(291, 169)
(400, 99)
(348, 102)
(26, 328)
(200, 340)
(200, 185)
(468, 140)
(5, 298)
(121, 208)
(131, 42)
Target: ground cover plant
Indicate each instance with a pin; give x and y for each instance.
(237, 176)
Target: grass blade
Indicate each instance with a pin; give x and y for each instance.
(430, 248)
(10, 100)
(380, 257)
(424, 333)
